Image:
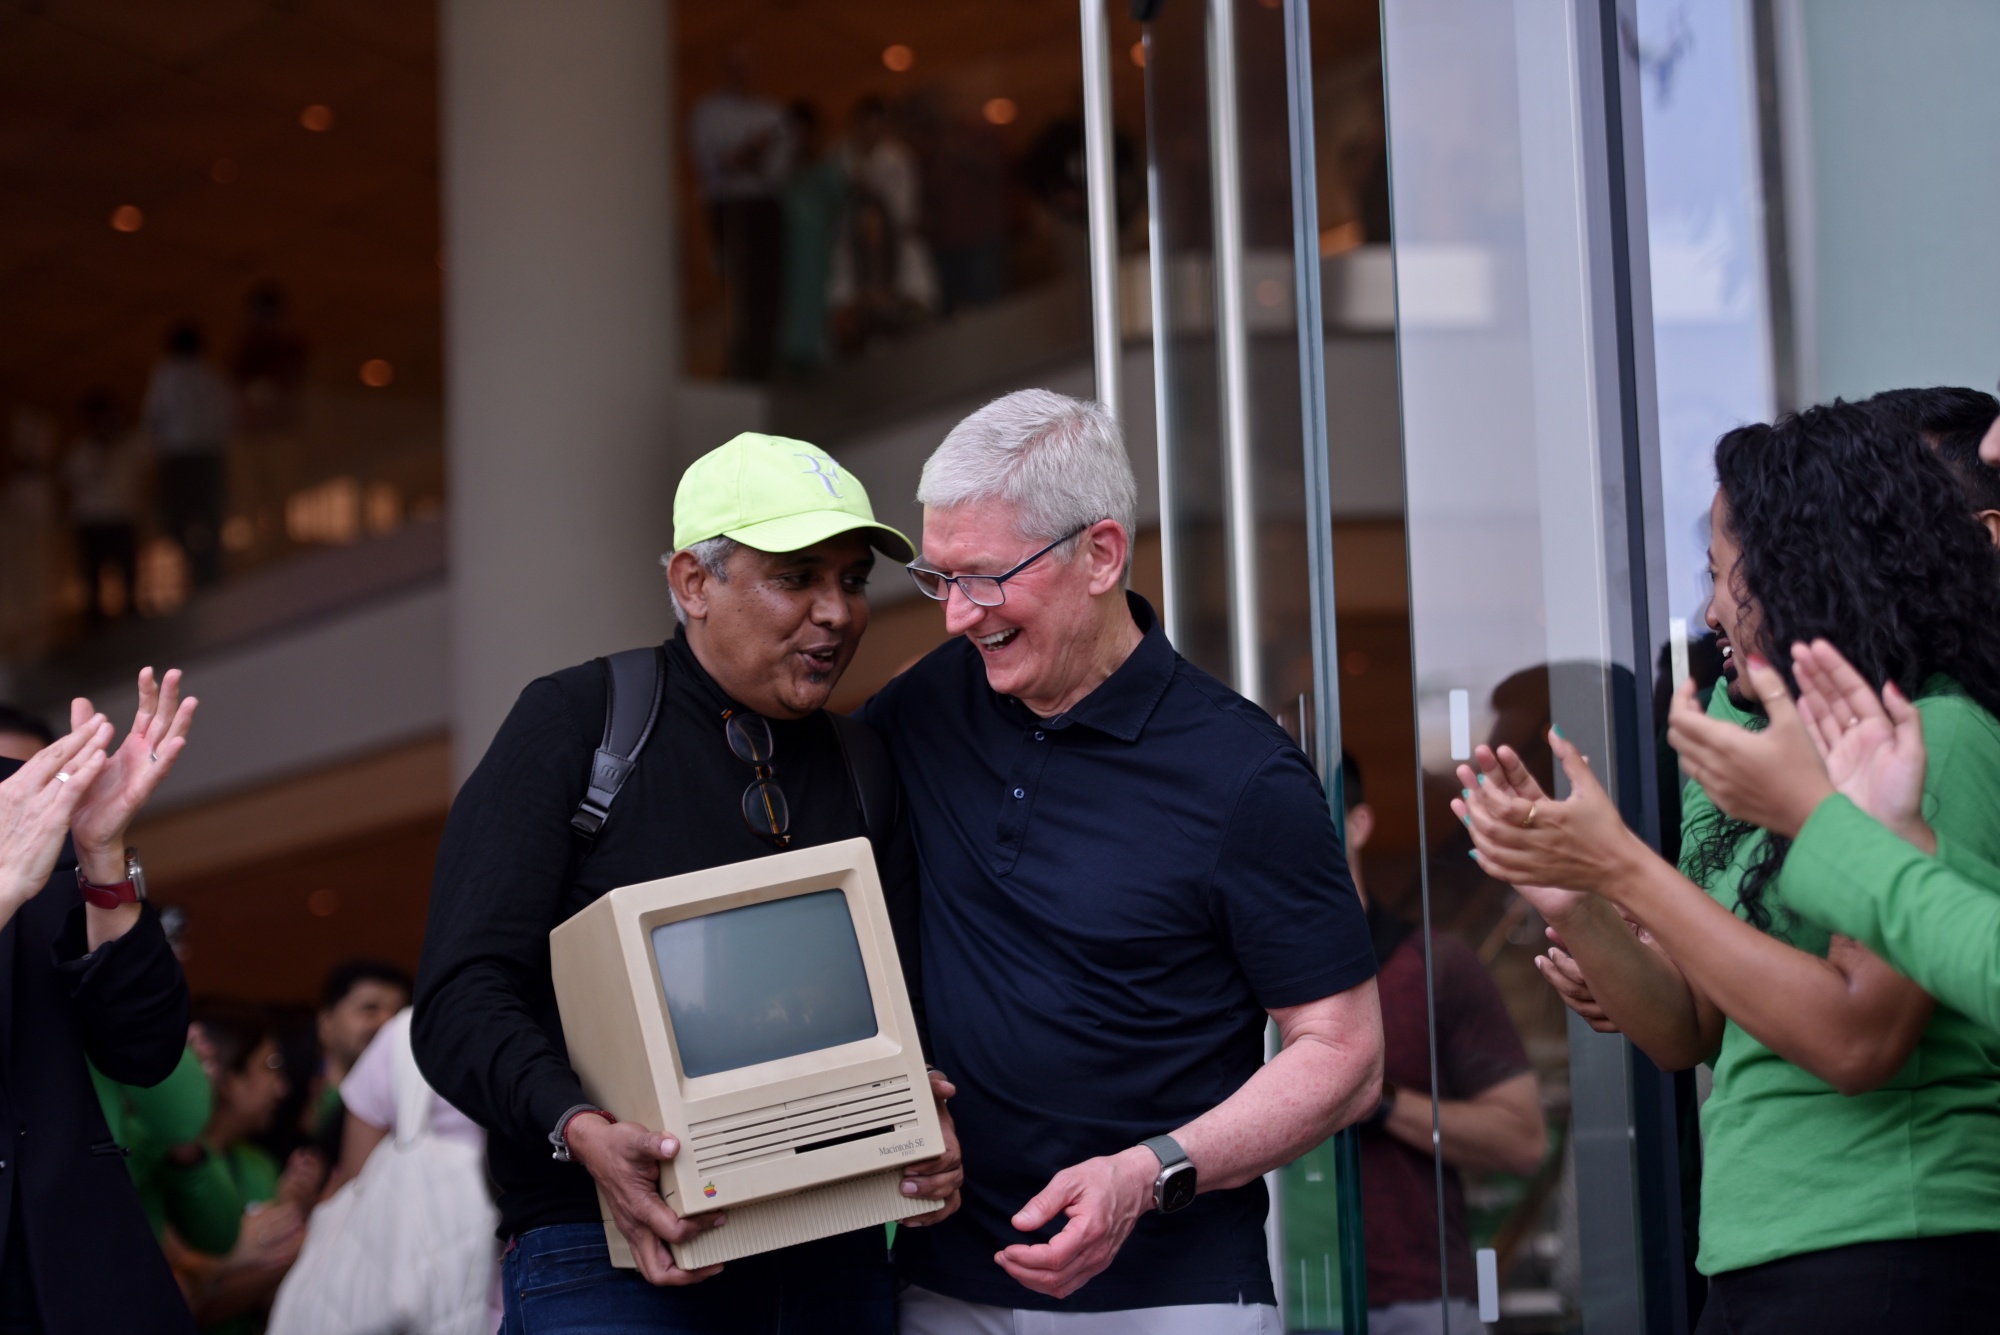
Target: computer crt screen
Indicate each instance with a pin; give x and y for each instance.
(764, 981)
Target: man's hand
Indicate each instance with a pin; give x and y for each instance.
(625, 1159)
(1103, 1198)
(132, 772)
(937, 1179)
(1874, 748)
(1773, 777)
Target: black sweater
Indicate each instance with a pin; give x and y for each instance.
(72, 1232)
(486, 1032)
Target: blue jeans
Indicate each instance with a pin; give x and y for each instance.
(560, 1279)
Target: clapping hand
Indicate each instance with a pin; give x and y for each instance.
(1546, 849)
(38, 803)
(1873, 747)
(131, 773)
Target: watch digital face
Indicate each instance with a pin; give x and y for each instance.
(1177, 1188)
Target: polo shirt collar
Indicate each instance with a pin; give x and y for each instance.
(1122, 703)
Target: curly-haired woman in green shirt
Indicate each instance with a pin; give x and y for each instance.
(1852, 1143)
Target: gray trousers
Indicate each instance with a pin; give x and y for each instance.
(921, 1312)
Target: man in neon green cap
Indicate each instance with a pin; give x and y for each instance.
(768, 578)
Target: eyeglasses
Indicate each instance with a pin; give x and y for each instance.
(764, 808)
(980, 590)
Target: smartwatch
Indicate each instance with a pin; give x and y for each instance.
(1174, 1189)
(131, 890)
(1376, 1120)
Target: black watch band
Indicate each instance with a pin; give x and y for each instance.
(1376, 1120)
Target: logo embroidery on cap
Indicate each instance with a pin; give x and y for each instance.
(830, 480)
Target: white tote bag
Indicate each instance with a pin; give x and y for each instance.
(407, 1247)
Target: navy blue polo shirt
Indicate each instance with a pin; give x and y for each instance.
(1111, 900)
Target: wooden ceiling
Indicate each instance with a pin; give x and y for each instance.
(108, 103)
(191, 111)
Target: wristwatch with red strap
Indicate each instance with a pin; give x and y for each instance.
(131, 890)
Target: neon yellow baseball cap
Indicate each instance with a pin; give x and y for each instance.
(777, 495)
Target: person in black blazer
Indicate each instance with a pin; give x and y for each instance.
(85, 971)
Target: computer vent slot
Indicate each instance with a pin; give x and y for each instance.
(787, 1128)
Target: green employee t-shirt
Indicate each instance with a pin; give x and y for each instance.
(1790, 1164)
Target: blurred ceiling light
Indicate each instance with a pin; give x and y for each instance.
(898, 57)
(317, 117)
(376, 373)
(222, 171)
(1139, 53)
(127, 218)
(1001, 111)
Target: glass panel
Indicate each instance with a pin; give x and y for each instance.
(1239, 545)
(1525, 606)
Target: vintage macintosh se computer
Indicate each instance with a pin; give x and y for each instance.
(757, 1013)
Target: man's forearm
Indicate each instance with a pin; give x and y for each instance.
(1324, 1078)
(1500, 1130)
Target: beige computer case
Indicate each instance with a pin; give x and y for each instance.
(738, 1133)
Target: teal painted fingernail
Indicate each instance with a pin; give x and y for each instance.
(1557, 731)
(1473, 854)
(1482, 778)
(1465, 792)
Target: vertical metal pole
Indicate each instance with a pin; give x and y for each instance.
(1326, 741)
(1246, 654)
(1101, 182)
(1164, 425)
(1312, 393)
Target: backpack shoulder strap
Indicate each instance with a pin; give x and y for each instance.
(635, 681)
(873, 776)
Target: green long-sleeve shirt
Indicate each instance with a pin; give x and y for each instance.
(1937, 919)
(150, 1122)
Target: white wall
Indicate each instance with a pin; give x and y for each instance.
(1904, 130)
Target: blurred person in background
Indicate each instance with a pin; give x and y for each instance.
(269, 368)
(964, 167)
(86, 979)
(358, 997)
(404, 1238)
(1489, 1116)
(884, 279)
(270, 362)
(1953, 421)
(189, 414)
(742, 150)
(104, 473)
(815, 201)
(245, 1219)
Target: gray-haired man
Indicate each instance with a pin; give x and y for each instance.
(1126, 867)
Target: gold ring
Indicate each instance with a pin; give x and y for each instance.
(1529, 819)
